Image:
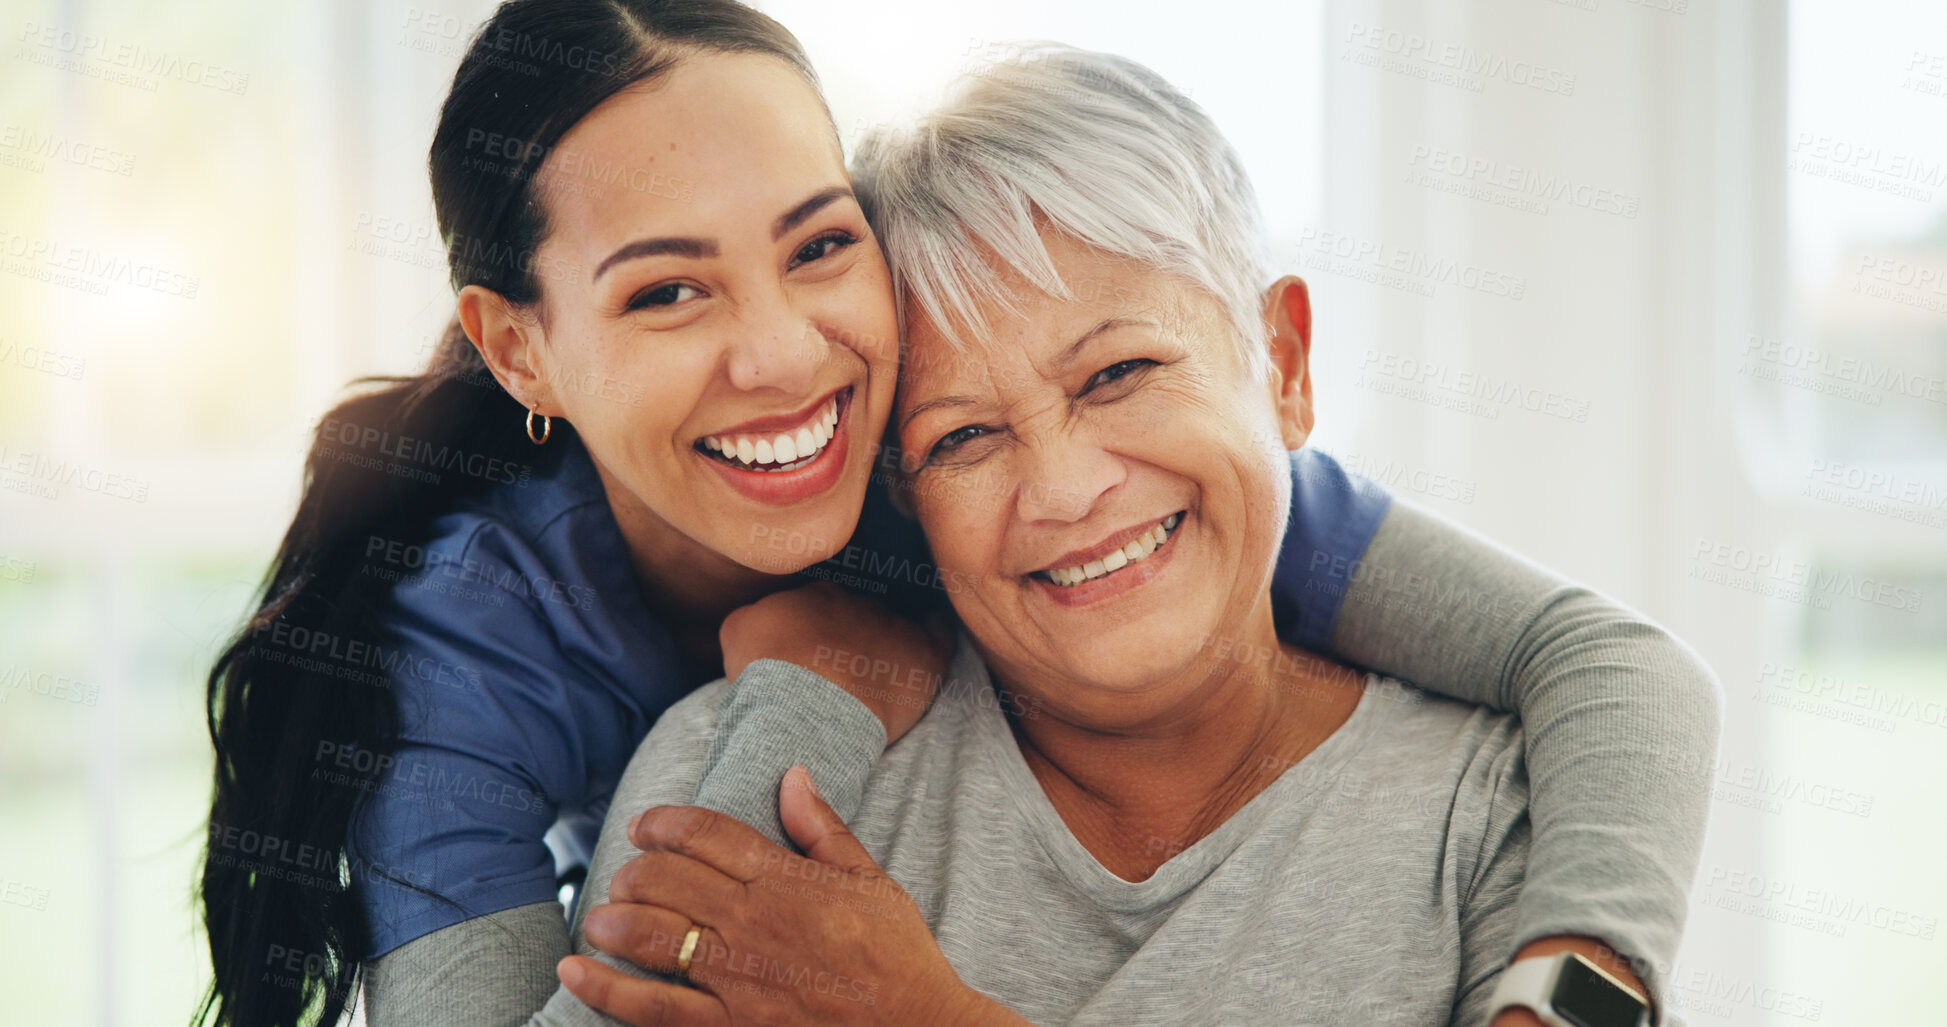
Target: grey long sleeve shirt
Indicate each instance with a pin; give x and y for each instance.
(1372, 882)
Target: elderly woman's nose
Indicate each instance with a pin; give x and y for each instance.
(776, 346)
(1063, 479)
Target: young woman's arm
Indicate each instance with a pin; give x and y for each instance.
(530, 714)
(487, 971)
(1620, 718)
(492, 747)
(508, 716)
(498, 971)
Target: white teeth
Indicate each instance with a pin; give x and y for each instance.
(786, 448)
(1131, 552)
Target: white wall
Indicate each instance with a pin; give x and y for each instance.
(1686, 466)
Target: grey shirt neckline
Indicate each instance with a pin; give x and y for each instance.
(1182, 872)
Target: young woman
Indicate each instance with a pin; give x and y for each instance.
(479, 611)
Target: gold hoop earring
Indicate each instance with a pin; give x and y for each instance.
(547, 427)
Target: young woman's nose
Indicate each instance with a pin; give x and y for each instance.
(776, 347)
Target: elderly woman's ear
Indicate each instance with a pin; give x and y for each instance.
(1288, 310)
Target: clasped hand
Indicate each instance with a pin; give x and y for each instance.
(825, 938)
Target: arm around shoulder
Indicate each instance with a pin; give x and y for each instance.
(1620, 718)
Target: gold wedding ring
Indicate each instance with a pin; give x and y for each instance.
(689, 949)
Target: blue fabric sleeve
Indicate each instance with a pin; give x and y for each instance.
(1334, 515)
(490, 746)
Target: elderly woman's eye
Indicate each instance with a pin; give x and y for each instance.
(954, 439)
(667, 294)
(823, 246)
(1117, 371)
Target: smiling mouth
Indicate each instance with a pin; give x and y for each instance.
(775, 451)
(1131, 553)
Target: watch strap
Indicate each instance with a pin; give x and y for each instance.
(1532, 983)
(1528, 983)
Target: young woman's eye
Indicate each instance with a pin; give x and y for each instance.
(664, 295)
(822, 247)
(1116, 372)
(955, 439)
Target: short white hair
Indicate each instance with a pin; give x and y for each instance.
(1094, 146)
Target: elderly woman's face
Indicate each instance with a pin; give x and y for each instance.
(1105, 480)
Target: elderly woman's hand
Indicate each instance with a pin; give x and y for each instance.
(892, 664)
(824, 939)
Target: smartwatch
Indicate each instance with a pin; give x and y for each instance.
(1566, 990)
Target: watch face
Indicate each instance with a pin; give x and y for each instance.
(1586, 997)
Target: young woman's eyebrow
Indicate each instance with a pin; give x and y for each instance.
(682, 246)
(698, 249)
(811, 205)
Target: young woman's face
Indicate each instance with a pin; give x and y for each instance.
(716, 318)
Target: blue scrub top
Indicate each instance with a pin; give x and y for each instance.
(527, 670)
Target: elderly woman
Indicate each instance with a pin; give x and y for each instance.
(1129, 802)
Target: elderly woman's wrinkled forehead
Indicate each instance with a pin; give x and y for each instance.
(1083, 281)
(1029, 334)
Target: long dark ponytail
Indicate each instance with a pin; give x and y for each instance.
(286, 932)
